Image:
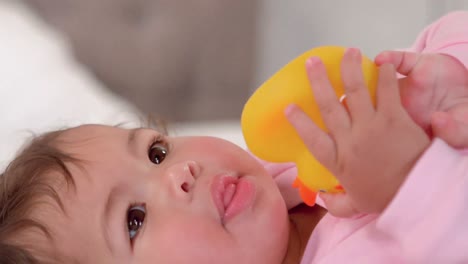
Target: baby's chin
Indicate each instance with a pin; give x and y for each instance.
(267, 213)
(267, 231)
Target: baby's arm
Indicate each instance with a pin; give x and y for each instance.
(434, 87)
(448, 35)
(428, 217)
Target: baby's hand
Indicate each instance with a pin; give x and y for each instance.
(369, 149)
(434, 91)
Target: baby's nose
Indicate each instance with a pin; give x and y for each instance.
(182, 176)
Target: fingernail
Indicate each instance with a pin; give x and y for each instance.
(312, 61)
(289, 110)
(382, 56)
(354, 52)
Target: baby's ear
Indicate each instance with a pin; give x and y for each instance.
(339, 205)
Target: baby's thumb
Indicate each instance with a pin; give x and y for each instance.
(403, 61)
(339, 204)
(454, 132)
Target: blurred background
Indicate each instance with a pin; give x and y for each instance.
(192, 63)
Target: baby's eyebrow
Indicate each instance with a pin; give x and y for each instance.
(132, 135)
(136, 133)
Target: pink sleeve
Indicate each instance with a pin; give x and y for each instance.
(429, 215)
(284, 175)
(448, 35)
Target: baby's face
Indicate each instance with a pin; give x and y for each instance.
(145, 198)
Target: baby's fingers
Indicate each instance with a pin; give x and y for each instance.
(388, 93)
(404, 62)
(357, 95)
(316, 140)
(339, 205)
(333, 113)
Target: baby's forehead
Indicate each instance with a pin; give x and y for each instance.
(90, 131)
(89, 135)
(97, 149)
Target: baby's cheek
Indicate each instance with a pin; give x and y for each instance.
(208, 148)
(265, 233)
(184, 239)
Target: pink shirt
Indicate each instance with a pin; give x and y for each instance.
(427, 221)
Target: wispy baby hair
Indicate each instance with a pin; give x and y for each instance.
(27, 182)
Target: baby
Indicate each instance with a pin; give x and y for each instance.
(99, 194)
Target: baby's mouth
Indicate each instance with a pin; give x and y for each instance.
(229, 191)
(232, 195)
(222, 190)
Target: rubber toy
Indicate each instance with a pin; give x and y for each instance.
(269, 135)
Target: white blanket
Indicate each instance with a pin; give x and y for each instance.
(43, 88)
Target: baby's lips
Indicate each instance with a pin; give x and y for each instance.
(232, 195)
(243, 198)
(218, 187)
(223, 191)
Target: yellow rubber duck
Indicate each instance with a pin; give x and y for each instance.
(271, 137)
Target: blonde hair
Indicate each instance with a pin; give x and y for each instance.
(27, 180)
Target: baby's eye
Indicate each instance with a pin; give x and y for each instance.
(135, 218)
(157, 152)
